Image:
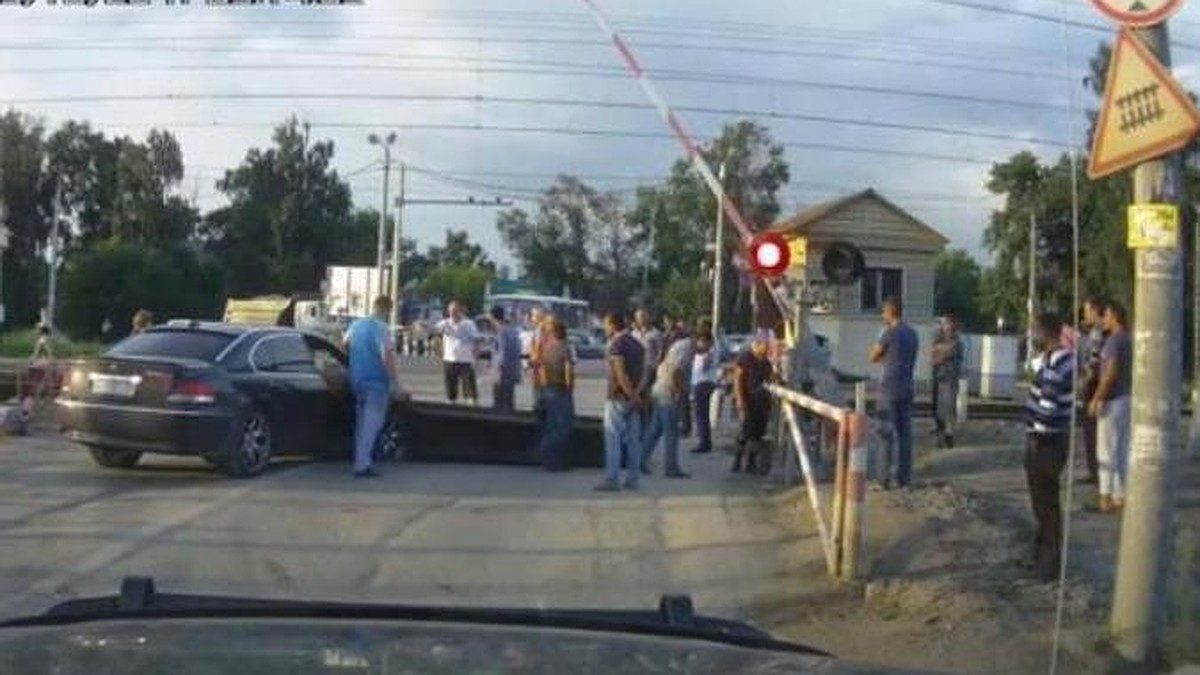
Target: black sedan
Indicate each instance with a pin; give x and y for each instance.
(234, 395)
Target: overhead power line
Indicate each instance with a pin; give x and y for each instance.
(557, 102)
(538, 67)
(838, 48)
(568, 131)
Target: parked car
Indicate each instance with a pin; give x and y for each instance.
(584, 345)
(235, 396)
(733, 344)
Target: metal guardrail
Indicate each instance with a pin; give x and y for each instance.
(842, 538)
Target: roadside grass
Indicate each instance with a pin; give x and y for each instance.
(19, 345)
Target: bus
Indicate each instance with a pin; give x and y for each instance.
(575, 314)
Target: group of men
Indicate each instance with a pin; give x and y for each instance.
(654, 378)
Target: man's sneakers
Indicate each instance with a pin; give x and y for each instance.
(608, 486)
(369, 472)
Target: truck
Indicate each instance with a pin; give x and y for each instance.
(350, 290)
(306, 312)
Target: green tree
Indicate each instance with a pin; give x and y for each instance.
(113, 280)
(458, 282)
(26, 201)
(682, 211)
(562, 244)
(288, 210)
(957, 287)
(686, 297)
(459, 251)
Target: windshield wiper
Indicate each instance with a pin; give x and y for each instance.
(139, 599)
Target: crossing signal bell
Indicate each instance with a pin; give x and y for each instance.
(769, 254)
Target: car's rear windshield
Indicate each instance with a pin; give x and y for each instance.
(187, 344)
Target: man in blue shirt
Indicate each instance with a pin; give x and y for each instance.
(896, 350)
(506, 361)
(373, 380)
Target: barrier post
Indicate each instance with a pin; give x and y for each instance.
(856, 484)
(839, 491)
(839, 487)
(827, 545)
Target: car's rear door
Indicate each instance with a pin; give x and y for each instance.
(283, 366)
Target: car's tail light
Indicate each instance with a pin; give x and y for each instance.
(192, 391)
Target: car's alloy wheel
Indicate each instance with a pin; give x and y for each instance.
(251, 451)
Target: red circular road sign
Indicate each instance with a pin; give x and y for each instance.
(1138, 12)
(769, 254)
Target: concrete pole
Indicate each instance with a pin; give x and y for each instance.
(1194, 427)
(1139, 598)
(396, 231)
(719, 254)
(52, 291)
(1031, 302)
(382, 238)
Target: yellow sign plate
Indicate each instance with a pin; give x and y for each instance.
(1145, 114)
(1153, 226)
(798, 248)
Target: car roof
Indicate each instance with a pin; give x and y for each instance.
(231, 329)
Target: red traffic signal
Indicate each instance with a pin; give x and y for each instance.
(769, 254)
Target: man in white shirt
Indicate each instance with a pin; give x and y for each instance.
(705, 375)
(459, 340)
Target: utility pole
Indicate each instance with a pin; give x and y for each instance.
(719, 253)
(52, 291)
(1031, 303)
(1193, 443)
(1139, 598)
(386, 142)
(396, 230)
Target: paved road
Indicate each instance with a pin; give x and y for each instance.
(423, 533)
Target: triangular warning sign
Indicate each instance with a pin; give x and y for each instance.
(1145, 113)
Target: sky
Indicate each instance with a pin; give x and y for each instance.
(915, 98)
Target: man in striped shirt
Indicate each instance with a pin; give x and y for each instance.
(1048, 421)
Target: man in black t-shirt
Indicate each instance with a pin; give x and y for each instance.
(752, 402)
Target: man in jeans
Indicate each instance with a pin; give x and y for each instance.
(1048, 421)
(670, 384)
(947, 359)
(896, 350)
(705, 373)
(506, 361)
(626, 361)
(1110, 406)
(556, 388)
(1093, 320)
(373, 380)
(458, 353)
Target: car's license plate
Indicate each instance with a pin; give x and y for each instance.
(122, 386)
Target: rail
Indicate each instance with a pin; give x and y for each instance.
(841, 539)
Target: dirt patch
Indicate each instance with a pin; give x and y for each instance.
(946, 589)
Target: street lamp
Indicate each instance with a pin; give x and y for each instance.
(386, 142)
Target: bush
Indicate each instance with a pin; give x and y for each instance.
(112, 281)
(19, 345)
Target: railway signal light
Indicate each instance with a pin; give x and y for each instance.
(769, 254)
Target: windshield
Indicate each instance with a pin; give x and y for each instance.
(874, 324)
(178, 344)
